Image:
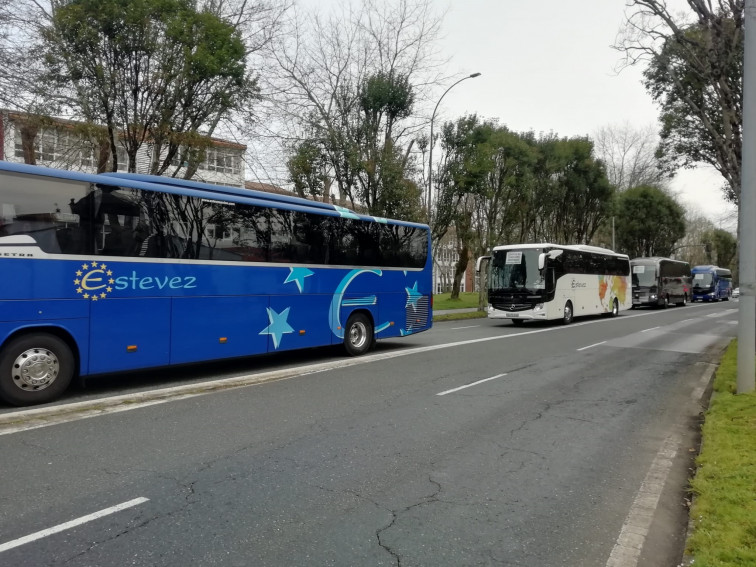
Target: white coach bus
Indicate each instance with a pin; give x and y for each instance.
(539, 282)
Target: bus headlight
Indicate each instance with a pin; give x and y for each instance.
(489, 308)
(538, 307)
(652, 296)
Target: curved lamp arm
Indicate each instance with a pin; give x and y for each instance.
(430, 150)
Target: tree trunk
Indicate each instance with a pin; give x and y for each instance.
(459, 271)
(28, 135)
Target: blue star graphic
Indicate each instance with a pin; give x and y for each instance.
(278, 325)
(297, 275)
(412, 296)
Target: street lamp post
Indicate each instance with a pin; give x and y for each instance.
(430, 149)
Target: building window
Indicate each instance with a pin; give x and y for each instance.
(59, 146)
(221, 161)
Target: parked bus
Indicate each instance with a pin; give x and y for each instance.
(105, 274)
(658, 281)
(538, 282)
(711, 283)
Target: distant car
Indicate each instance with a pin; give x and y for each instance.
(736, 292)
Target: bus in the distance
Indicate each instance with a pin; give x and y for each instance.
(659, 282)
(105, 274)
(539, 282)
(711, 283)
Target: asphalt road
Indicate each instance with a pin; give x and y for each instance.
(476, 443)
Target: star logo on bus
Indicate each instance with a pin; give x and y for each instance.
(278, 327)
(93, 281)
(297, 275)
(413, 296)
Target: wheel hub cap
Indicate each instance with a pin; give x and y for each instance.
(357, 335)
(35, 369)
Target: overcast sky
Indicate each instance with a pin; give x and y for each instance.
(548, 65)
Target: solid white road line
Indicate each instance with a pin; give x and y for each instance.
(591, 346)
(633, 534)
(72, 523)
(468, 327)
(627, 550)
(651, 329)
(470, 385)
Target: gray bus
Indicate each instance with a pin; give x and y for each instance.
(657, 281)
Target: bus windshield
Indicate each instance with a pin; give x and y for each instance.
(702, 280)
(516, 270)
(644, 276)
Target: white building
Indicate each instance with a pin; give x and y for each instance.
(61, 144)
(445, 259)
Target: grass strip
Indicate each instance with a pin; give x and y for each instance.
(466, 299)
(724, 488)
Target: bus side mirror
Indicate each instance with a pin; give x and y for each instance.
(541, 261)
(480, 261)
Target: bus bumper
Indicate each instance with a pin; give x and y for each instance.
(535, 314)
(641, 299)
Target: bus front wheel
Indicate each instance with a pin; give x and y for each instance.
(568, 315)
(358, 334)
(35, 369)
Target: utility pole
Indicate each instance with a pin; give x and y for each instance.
(747, 308)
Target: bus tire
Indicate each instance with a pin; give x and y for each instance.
(615, 308)
(568, 314)
(684, 301)
(35, 369)
(358, 334)
(665, 302)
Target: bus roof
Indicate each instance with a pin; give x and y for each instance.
(199, 190)
(710, 268)
(165, 180)
(655, 260)
(575, 247)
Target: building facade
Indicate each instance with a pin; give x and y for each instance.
(445, 259)
(60, 144)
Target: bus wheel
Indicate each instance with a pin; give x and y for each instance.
(615, 308)
(684, 301)
(665, 303)
(358, 335)
(35, 369)
(568, 315)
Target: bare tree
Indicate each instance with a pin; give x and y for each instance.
(629, 155)
(692, 247)
(323, 62)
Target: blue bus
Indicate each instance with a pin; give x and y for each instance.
(711, 283)
(105, 273)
